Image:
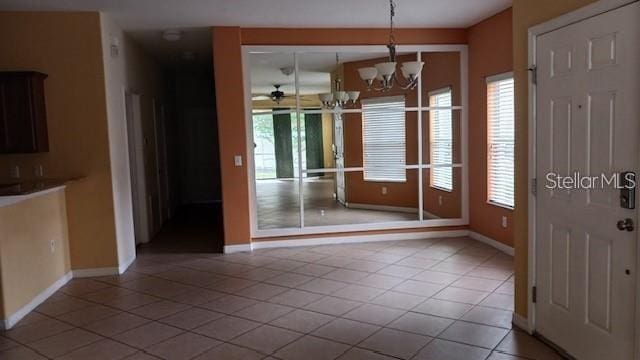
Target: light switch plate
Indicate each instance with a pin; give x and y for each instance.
(237, 160)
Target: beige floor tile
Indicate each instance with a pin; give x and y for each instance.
(489, 316)
(101, 350)
(363, 354)
(466, 296)
(346, 331)
(447, 350)
(229, 304)
(6, 343)
(31, 318)
(421, 324)
(419, 288)
(453, 268)
(522, 344)
(474, 334)
(116, 324)
(226, 328)
(36, 331)
(500, 301)
(313, 269)
(311, 348)
(443, 308)
(285, 265)
(64, 343)
(228, 351)
(159, 309)
(506, 288)
(148, 334)
(182, 347)
(88, 315)
(379, 281)
(231, 285)
(132, 301)
(404, 272)
(260, 274)
(395, 343)
(346, 275)
(374, 314)
(332, 306)
(261, 291)
(20, 353)
(106, 294)
(491, 273)
(417, 262)
(358, 293)
(398, 300)
(436, 277)
(78, 287)
(289, 280)
(500, 356)
(266, 339)
(197, 297)
(263, 312)
(57, 308)
(295, 298)
(364, 265)
(302, 321)
(191, 318)
(480, 284)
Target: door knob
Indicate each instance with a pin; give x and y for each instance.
(626, 224)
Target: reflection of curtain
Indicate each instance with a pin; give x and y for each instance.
(283, 145)
(313, 138)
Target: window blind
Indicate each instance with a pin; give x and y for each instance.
(500, 139)
(441, 139)
(384, 139)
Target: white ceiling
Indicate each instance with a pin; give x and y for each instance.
(145, 19)
(162, 14)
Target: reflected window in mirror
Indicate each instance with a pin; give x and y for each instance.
(441, 139)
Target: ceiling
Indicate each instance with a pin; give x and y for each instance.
(145, 19)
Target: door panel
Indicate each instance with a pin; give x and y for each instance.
(587, 124)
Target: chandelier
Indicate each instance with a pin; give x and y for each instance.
(339, 98)
(385, 73)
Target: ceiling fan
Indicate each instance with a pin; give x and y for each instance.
(276, 96)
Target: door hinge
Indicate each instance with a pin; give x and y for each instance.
(534, 294)
(534, 74)
(534, 186)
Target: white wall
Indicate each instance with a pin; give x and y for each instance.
(133, 70)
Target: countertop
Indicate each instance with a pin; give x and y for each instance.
(14, 192)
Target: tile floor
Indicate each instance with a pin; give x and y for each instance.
(434, 299)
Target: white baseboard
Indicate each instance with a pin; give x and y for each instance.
(84, 273)
(521, 323)
(13, 319)
(489, 241)
(356, 239)
(229, 249)
(123, 267)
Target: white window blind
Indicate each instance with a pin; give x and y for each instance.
(500, 139)
(384, 139)
(441, 139)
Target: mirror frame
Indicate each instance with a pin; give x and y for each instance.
(247, 50)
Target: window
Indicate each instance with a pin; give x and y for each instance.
(384, 139)
(441, 139)
(500, 139)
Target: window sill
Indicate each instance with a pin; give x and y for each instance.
(506, 207)
(441, 189)
(385, 181)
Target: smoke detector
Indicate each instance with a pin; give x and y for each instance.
(172, 35)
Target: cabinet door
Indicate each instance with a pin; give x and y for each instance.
(17, 130)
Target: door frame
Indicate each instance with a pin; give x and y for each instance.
(592, 10)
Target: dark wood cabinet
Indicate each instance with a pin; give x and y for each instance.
(23, 116)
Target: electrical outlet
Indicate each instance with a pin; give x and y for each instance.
(384, 190)
(504, 222)
(53, 246)
(15, 172)
(440, 200)
(38, 171)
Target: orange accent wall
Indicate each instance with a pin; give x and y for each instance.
(490, 53)
(227, 64)
(349, 36)
(227, 45)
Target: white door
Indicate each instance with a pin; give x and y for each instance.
(338, 150)
(588, 122)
